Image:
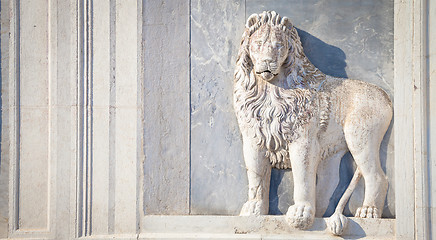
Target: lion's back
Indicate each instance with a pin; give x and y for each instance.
(359, 99)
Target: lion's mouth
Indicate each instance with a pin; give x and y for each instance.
(267, 74)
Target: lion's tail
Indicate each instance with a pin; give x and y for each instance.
(347, 194)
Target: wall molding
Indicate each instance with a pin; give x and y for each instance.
(22, 223)
(410, 114)
(108, 120)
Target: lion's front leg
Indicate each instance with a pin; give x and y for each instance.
(259, 176)
(304, 160)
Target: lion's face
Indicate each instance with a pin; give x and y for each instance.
(268, 49)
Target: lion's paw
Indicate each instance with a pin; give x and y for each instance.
(253, 207)
(337, 223)
(368, 212)
(300, 216)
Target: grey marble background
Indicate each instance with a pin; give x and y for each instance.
(352, 39)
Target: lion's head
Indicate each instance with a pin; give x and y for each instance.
(268, 46)
(271, 49)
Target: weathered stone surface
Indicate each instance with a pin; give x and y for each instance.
(166, 107)
(262, 227)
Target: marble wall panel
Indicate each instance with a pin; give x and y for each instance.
(218, 179)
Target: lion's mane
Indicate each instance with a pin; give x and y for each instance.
(276, 112)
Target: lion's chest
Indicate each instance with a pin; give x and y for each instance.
(275, 116)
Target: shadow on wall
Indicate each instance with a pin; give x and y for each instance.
(331, 61)
(327, 58)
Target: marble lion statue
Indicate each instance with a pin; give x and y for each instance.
(291, 115)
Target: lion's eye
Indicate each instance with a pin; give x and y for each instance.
(258, 43)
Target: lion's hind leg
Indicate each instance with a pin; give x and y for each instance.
(327, 181)
(363, 137)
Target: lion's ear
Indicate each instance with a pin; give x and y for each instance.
(286, 22)
(253, 19)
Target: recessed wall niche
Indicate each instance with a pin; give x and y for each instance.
(352, 40)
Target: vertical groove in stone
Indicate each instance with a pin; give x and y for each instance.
(190, 113)
(84, 161)
(88, 120)
(90, 116)
(15, 115)
(112, 118)
(80, 95)
(140, 155)
(431, 124)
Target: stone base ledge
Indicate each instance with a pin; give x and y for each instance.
(262, 227)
